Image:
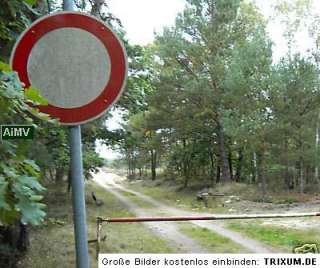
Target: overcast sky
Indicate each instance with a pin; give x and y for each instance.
(141, 18)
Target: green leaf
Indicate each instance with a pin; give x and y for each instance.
(31, 212)
(30, 2)
(8, 216)
(34, 95)
(27, 200)
(36, 198)
(3, 190)
(9, 172)
(31, 167)
(4, 67)
(43, 116)
(30, 182)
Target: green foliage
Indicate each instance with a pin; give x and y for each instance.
(19, 186)
(4, 67)
(139, 84)
(15, 16)
(220, 108)
(190, 97)
(91, 161)
(52, 151)
(33, 94)
(30, 2)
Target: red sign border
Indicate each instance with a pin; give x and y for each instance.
(114, 46)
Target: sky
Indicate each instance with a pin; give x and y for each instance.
(142, 18)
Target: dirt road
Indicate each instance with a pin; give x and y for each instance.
(169, 231)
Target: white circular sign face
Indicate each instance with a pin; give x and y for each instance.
(76, 61)
(78, 58)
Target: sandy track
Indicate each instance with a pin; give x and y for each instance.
(169, 231)
(166, 230)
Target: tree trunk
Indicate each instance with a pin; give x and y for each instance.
(307, 174)
(69, 180)
(186, 173)
(239, 166)
(261, 175)
(225, 169)
(128, 164)
(287, 180)
(254, 167)
(301, 163)
(186, 181)
(301, 173)
(134, 164)
(218, 176)
(51, 174)
(230, 165)
(296, 179)
(185, 165)
(131, 164)
(211, 169)
(153, 164)
(14, 241)
(59, 175)
(316, 169)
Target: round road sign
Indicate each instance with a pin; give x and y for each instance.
(76, 61)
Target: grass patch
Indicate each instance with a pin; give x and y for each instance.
(128, 194)
(137, 200)
(291, 197)
(52, 245)
(122, 237)
(281, 237)
(171, 193)
(179, 198)
(210, 240)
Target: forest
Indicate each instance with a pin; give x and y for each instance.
(207, 102)
(221, 108)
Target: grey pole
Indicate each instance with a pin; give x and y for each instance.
(68, 5)
(77, 183)
(78, 198)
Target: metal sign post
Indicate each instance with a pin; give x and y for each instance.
(78, 197)
(77, 183)
(68, 5)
